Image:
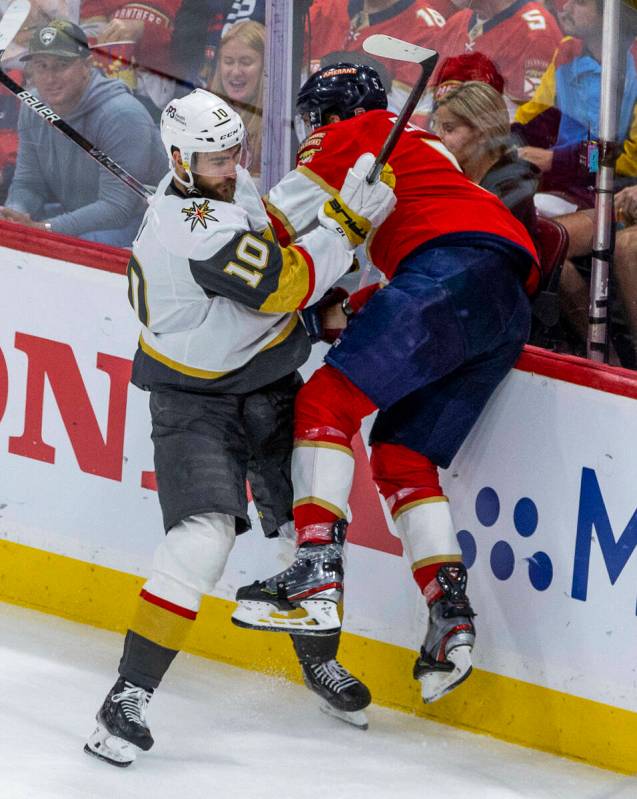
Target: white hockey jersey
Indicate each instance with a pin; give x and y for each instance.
(216, 294)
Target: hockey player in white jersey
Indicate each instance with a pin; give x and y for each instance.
(220, 343)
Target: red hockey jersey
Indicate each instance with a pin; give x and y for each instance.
(331, 28)
(158, 16)
(434, 197)
(520, 41)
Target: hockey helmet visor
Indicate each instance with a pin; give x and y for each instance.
(219, 164)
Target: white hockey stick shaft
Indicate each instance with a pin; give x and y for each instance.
(390, 47)
(8, 30)
(12, 20)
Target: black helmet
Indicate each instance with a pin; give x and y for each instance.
(340, 89)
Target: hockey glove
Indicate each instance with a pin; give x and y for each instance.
(359, 206)
(314, 316)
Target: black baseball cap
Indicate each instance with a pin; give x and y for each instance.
(59, 37)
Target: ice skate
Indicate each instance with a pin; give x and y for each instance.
(445, 656)
(301, 600)
(121, 725)
(344, 696)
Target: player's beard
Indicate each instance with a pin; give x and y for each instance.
(223, 191)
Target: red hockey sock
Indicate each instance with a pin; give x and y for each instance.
(328, 412)
(403, 476)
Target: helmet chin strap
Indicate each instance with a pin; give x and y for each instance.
(189, 184)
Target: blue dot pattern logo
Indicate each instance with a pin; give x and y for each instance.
(502, 555)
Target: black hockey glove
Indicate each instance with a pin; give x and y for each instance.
(313, 316)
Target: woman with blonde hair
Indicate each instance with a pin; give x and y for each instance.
(473, 123)
(238, 79)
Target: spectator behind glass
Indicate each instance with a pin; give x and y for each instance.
(575, 281)
(473, 123)
(564, 112)
(143, 32)
(198, 26)
(56, 186)
(462, 68)
(518, 37)
(238, 78)
(336, 26)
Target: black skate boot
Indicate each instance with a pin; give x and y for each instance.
(445, 656)
(121, 725)
(313, 583)
(345, 696)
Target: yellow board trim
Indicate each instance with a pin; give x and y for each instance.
(516, 711)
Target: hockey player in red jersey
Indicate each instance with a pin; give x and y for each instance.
(519, 37)
(426, 351)
(336, 25)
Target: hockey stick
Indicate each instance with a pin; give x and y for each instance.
(10, 24)
(12, 20)
(388, 47)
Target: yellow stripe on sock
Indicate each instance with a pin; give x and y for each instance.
(436, 559)
(338, 512)
(160, 625)
(415, 503)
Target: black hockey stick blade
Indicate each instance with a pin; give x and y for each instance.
(12, 20)
(390, 47)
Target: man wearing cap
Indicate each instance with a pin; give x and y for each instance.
(56, 186)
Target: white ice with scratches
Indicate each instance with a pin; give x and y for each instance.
(225, 732)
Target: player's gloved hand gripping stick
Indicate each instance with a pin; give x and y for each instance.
(360, 205)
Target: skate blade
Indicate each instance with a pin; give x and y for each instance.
(313, 617)
(435, 684)
(110, 748)
(357, 718)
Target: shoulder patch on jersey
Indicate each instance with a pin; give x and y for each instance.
(307, 154)
(199, 214)
(313, 140)
(310, 147)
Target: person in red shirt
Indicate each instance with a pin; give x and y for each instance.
(337, 26)
(149, 25)
(427, 351)
(519, 37)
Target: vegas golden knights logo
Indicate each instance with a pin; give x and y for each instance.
(197, 214)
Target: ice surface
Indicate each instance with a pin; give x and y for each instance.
(224, 732)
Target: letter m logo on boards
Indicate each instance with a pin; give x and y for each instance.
(593, 518)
